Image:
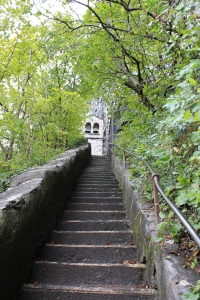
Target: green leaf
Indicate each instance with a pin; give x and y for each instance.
(186, 31)
(191, 80)
(165, 159)
(158, 239)
(159, 152)
(162, 215)
(190, 296)
(187, 114)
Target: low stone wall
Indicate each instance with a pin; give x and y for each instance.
(164, 269)
(30, 210)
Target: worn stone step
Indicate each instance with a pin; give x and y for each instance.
(110, 199)
(92, 254)
(93, 183)
(93, 215)
(100, 162)
(101, 165)
(92, 237)
(98, 169)
(94, 206)
(89, 185)
(80, 274)
(54, 292)
(94, 176)
(100, 189)
(104, 164)
(97, 194)
(89, 253)
(97, 181)
(93, 225)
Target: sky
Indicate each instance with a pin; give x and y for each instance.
(77, 8)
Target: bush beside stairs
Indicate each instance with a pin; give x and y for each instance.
(91, 254)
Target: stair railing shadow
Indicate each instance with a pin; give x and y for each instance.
(158, 189)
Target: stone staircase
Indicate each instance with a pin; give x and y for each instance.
(91, 254)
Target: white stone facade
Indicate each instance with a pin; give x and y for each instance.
(94, 134)
(97, 127)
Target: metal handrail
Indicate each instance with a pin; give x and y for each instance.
(157, 188)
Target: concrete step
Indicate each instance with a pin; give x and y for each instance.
(106, 165)
(98, 189)
(85, 292)
(92, 237)
(97, 194)
(110, 199)
(94, 215)
(86, 181)
(90, 274)
(92, 225)
(96, 176)
(94, 185)
(89, 253)
(99, 163)
(92, 254)
(95, 206)
(98, 171)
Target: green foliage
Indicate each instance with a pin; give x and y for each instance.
(143, 58)
(194, 294)
(41, 109)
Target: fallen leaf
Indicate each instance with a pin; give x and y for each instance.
(168, 237)
(125, 262)
(131, 261)
(184, 283)
(195, 253)
(192, 248)
(190, 258)
(187, 264)
(197, 270)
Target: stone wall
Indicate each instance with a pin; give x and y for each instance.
(30, 210)
(96, 146)
(164, 269)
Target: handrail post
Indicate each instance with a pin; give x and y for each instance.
(124, 159)
(156, 200)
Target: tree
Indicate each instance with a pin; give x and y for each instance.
(143, 58)
(41, 112)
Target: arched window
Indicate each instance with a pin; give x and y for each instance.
(88, 127)
(96, 128)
